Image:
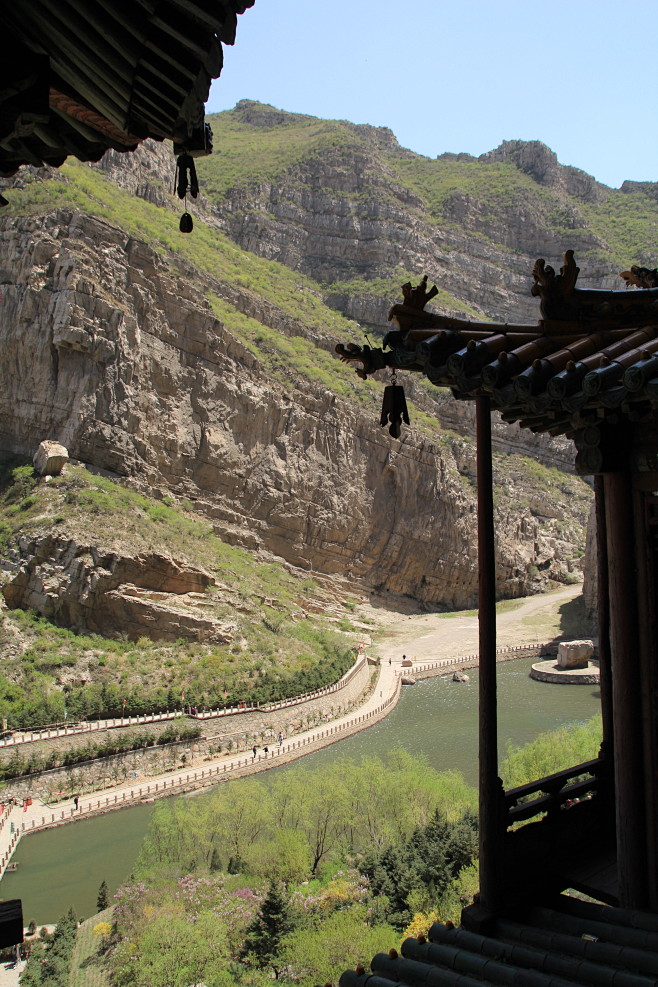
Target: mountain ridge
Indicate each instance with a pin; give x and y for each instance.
(475, 226)
(200, 369)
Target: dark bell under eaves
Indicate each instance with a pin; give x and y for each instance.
(586, 370)
(81, 76)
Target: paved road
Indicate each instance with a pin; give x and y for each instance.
(10, 972)
(35, 816)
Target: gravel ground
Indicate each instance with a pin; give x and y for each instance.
(431, 636)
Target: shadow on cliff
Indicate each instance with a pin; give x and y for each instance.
(574, 620)
(397, 603)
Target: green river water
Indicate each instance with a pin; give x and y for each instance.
(436, 718)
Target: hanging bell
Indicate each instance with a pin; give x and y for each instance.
(186, 179)
(394, 409)
(186, 225)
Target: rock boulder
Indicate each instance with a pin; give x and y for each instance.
(574, 654)
(50, 458)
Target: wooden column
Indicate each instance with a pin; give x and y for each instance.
(603, 619)
(646, 547)
(626, 691)
(491, 827)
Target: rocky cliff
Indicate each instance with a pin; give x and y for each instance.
(187, 378)
(347, 205)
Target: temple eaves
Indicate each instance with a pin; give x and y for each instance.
(79, 78)
(585, 370)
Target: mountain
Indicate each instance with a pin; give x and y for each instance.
(199, 370)
(348, 206)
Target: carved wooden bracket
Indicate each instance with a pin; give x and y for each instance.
(372, 359)
(641, 277)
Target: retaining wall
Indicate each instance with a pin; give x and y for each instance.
(426, 669)
(230, 731)
(48, 817)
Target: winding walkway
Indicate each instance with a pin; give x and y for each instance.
(18, 820)
(427, 647)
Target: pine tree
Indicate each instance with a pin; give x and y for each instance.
(264, 935)
(103, 899)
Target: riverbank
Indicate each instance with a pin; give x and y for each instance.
(227, 732)
(446, 632)
(18, 822)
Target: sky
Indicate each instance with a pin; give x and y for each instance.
(463, 75)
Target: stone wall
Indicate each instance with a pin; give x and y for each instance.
(222, 734)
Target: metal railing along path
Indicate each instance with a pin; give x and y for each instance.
(222, 771)
(89, 726)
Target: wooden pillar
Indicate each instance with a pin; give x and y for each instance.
(626, 691)
(646, 542)
(491, 827)
(603, 619)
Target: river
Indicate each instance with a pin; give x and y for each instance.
(436, 718)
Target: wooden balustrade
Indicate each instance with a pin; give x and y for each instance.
(554, 792)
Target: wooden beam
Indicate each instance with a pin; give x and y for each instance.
(646, 547)
(603, 618)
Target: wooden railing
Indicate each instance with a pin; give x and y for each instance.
(553, 793)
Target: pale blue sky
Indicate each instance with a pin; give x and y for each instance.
(579, 75)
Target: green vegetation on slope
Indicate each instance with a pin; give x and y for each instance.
(628, 222)
(325, 868)
(297, 902)
(277, 649)
(84, 189)
(249, 155)
(88, 967)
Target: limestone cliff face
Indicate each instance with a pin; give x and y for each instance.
(344, 214)
(82, 587)
(538, 161)
(114, 351)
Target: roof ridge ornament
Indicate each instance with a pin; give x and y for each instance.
(555, 290)
(640, 277)
(419, 296)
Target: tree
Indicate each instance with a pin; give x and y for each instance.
(324, 950)
(51, 966)
(284, 858)
(264, 935)
(415, 873)
(103, 898)
(103, 930)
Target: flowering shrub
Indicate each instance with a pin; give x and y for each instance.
(344, 889)
(420, 924)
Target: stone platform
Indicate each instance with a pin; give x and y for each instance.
(550, 671)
